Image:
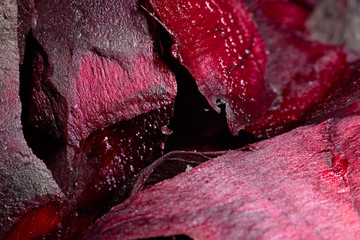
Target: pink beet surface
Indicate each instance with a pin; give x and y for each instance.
(299, 185)
(300, 71)
(283, 75)
(223, 51)
(95, 67)
(30, 200)
(100, 89)
(99, 86)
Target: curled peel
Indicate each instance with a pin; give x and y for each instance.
(219, 44)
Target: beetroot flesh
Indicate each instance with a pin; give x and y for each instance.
(341, 98)
(29, 196)
(288, 13)
(343, 101)
(224, 53)
(105, 79)
(36, 222)
(299, 185)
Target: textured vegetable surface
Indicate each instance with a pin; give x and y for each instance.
(88, 91)
(299, 185)
(94, 70)
(95, 67)
(218, 42)
(29, 197)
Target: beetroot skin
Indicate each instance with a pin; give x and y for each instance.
(30, 199)
(96, 83)
(300, 185)
(96, 67)
(103, 92)
(299, 72)
(223, 51)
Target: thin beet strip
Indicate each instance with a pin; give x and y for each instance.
(30, 199)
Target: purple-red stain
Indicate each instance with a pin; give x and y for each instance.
(340, 164)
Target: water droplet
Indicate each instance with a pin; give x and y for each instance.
(166, 130)
(175, 51)
(208, 6)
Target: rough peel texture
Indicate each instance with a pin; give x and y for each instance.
(300, 185)
(99, 88)
(30, 199)
(219, 44)
(96, 67)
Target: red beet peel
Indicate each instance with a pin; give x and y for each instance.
(30, 200)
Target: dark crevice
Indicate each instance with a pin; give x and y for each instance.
(195, 125)
(42, 145)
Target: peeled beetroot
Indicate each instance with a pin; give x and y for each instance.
(95, 67)
(101, 90)
(299, 185)
(93, 81)
(30, 200)
(299, 72)
(218, 42)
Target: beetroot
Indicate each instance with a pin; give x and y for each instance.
(108, 159)
(100, 99)
(222, 49)
(96, 67)
(30, 199)
(300, 185)
(294, 70)
(300, 71)
(102, 91)
(285, 12)
(342, 102)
